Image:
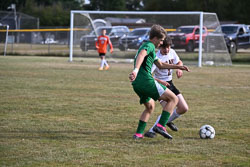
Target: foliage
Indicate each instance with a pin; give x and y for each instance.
(226, 9)
(54, 15)
(50, 13)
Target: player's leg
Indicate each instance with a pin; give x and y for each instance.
(172, 101)
(151, 133)
(149, 108)
(105, 63)
(102, 57)
(182, 108)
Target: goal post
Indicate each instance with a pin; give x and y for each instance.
(4, 31)
(209, 51)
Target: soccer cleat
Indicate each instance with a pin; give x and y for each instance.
(162, 131)
(100, 68)
(172, 126)
(150, 134)
(107, 67)
(138, 136)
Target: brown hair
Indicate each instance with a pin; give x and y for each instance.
(157, 31)
(166, 42)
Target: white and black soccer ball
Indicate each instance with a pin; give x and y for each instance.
(207, 132)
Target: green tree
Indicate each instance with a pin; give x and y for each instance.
(164, 5)
(54, 15)
(115, 5)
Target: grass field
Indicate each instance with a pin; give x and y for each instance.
(56, 113)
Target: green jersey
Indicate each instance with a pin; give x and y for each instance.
(145, 85)
(144, 72)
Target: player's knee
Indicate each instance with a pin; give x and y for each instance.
(175, 100)
(183, 109)
(186, 108)
(150, 108)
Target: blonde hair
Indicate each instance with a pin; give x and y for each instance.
(157, 31)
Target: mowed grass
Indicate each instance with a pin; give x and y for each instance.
(57, 113)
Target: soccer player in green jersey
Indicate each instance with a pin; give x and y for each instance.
(147, 88)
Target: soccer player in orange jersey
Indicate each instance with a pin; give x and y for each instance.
(101, 44)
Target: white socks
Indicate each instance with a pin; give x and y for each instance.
(171, 118)
(104, 62)
(156, 122)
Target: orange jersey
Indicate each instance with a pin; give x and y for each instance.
(102, 42)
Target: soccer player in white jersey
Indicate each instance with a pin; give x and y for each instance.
(164, 76)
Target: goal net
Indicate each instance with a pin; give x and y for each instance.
(128, 30)
(3, 39)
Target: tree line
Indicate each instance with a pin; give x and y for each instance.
(57, 12)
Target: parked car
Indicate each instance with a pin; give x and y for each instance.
(187, 37)
(236, 36)
(134, 39)
(87, 42)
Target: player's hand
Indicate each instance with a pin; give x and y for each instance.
(184, 68)
(132, 76)
(111, 50)
(179, 73)
(165, 83)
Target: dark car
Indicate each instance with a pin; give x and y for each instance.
(87, 42)
(134, 39)
(236, 36)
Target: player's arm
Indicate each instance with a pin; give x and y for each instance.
(110, 45)
(97, 43)
(162, 65)
(179, 73)
(158, 80)
(138, 63)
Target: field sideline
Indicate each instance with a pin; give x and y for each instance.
(56, 113)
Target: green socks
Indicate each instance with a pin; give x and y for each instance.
(141, 127)
(164, 118)
(163, 121)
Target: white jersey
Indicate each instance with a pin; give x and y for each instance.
(170, 58)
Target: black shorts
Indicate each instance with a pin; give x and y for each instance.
(173, 88)
(102, 54)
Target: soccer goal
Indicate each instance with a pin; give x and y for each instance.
(4, 29)
(128, 30)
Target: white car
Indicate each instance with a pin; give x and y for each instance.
(50, 41)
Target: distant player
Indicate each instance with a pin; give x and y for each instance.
(164, 76)
(101, 44)
(147, 88)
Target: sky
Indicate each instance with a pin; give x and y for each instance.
(87, 2)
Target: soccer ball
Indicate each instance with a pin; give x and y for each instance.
(207, 132)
